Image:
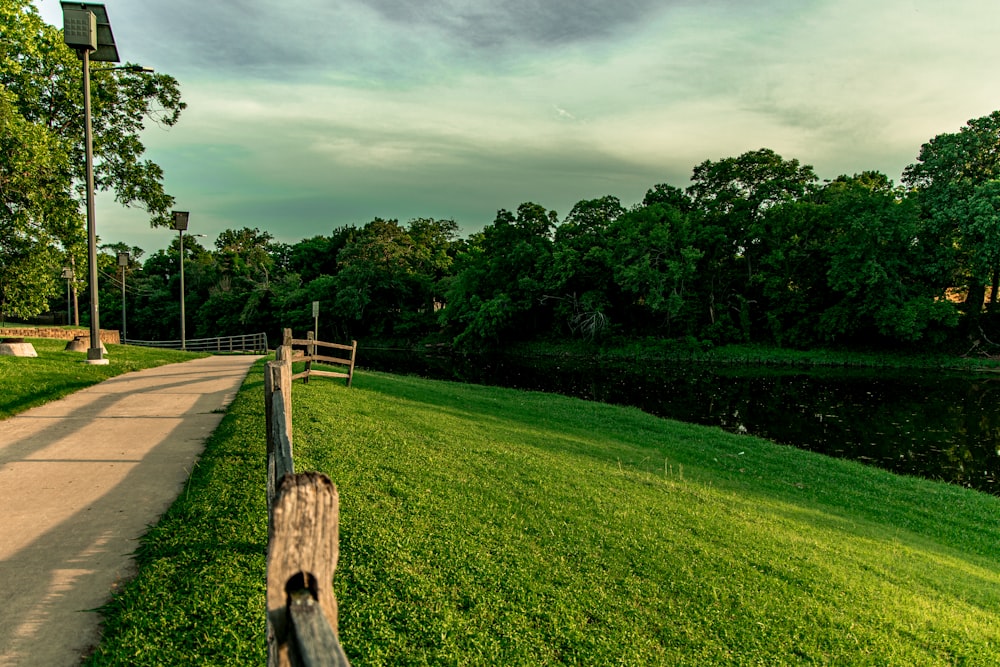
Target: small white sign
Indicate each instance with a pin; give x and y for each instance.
(315, 308)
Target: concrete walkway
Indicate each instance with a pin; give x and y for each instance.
(80, 480)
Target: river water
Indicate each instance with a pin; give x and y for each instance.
(935, 424)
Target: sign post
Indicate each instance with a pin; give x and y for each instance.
(316, 320)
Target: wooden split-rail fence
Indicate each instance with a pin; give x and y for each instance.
(303, 539)
(311, 353)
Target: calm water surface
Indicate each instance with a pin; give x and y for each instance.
(943, 426)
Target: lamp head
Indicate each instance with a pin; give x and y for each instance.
(181, 220)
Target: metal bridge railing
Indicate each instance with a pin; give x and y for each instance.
(245, 343)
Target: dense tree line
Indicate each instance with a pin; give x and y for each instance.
(756, 249)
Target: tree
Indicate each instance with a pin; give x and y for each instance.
(37, 212)
(317, 256)
(731, 199)
(41, 113)
(954, 176)
(498, 293)
(793, 284)
(393, 278)
(980, 216)
(433, 255)
(656, 264)
(879, 275)
(245, 253)
(668, 195)
(580, 274)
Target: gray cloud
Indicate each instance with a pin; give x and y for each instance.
(307, 114)
(373, 40)
(506, 24)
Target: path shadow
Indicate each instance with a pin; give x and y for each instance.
(81, 479)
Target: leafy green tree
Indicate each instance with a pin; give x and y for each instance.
(44, 75)
(111, 283)
(245, 253)
(155, 314)
(372, 280)
(793, 283)
(980, 214)
(880, 269)
(954, 176)
(317, 256)
(498, 294)
(37, 212)
(389, 277)
(41, 120)
(656, 266)
(731, 199)
(669, 196)
(580, 279)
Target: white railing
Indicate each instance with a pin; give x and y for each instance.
(252, 343)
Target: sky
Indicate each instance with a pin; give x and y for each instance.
(308, 115)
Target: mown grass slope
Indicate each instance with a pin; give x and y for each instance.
(486, 526)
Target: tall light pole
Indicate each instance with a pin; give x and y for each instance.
(67, 273)
(123, 262)
(76, 301)
(180, 224)
(87, 29)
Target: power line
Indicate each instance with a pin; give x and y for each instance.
(115, 280)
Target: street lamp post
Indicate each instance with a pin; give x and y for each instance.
(123, 262)
(72, 281)
(180, 224)
(87, 29)
(67, 273)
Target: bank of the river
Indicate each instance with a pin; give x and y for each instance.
(658, 350)
(652, 350)
(935, 417)
(482, 525)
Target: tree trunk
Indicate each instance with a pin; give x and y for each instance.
(974, 299)
(994, 288)
(973, 307)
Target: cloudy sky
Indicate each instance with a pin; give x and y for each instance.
(305, 115)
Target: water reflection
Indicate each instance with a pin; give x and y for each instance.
(942, 426)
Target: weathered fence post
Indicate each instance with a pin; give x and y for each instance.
(303, 533)
(310, 351)
(301, 560)
(286, 337)
(354, 353)
(278, 419)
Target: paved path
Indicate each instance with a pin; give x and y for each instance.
(80, 480)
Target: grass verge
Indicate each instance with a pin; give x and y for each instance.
(54, 373)
(486, 526)
(654, 350)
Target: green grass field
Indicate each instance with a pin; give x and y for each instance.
(54, 373)
(484, 526)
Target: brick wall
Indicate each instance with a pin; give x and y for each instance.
(107, 335)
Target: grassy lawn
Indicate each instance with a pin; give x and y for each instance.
(484, 526)
(54, 373)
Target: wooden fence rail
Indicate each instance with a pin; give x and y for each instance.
(303, 541)
(311, 354)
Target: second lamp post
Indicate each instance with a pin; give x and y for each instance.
(181, 224)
